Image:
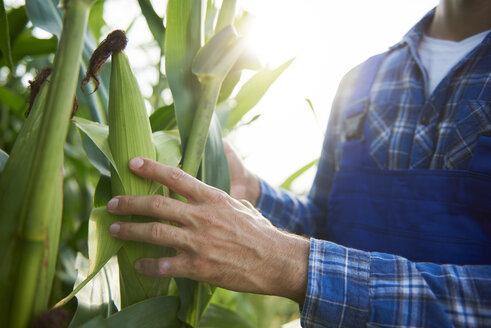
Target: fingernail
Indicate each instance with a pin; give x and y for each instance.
(112, 204)
(114, 228)
(138, 266)
(163, 267)
(136, 163)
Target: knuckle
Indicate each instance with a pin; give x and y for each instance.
(156, 203)
(219, 196)
(177, 175)
(156, 231)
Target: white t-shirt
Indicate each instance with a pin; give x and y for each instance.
(439, 56)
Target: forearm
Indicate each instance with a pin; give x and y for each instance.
(352, 288)
(292, 213)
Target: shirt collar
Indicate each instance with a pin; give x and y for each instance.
(415, 34)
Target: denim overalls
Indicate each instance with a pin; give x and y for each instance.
(440, 216)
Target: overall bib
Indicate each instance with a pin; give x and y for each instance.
(440, 216)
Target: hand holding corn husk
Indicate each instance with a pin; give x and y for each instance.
(220, 240)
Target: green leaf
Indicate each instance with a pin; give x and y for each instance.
(167, 145)
(28, 45)
(157, 312)
(96, 18)
(163, 118)
(5, 36)
(103, 193)
(100, 297)
(227, 14)
(45, 14)
(217, 57)
(3, 159)
(99, 134)
(218, 317)
(102, 246)
(155, 22)
(252, 91)
(214, 169)
(17, 18)
(288, 182)
(228, 85)
(182, 41)
(95, 155)
(12, 99)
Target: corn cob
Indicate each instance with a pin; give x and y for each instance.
(130, 136)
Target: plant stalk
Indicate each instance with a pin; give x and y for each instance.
(48, 159)
(201, 124)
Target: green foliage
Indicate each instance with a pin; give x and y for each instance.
(191, 45)
(5, 36)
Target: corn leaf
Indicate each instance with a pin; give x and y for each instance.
(96, 18)
(155, 22)
(96, 156)
(27, 45)
(227, 14)
(12, 99)
(45, 14)
(100, 297)
(5, 37)
(98, 134)
(168, 147)
(102, 246)
(17, 19)
(183, 39)
(214, 169)
(157, 312)
(288, 181)
(163, 118)
(3, 159)
(218, 317)
(103, 193)
(217, 57)
(251, 92)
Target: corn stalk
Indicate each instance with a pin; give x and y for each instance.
(31, 184)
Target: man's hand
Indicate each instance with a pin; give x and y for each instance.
(243, 184)
(220, 240)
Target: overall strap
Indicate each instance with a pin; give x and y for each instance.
(355, 130)
(365, 80)
(355, 114)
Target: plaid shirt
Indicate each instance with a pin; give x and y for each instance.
(352, 288)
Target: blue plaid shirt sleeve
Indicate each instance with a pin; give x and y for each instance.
(352, 288)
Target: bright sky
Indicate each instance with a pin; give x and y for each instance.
(327, 38)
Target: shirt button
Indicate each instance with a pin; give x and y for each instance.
(425, 120)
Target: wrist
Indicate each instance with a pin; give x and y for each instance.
(291, 271)
(253, 189)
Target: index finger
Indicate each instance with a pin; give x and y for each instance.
(172, 177)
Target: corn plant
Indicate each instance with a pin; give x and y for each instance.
(205, 53)
(31, 184)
